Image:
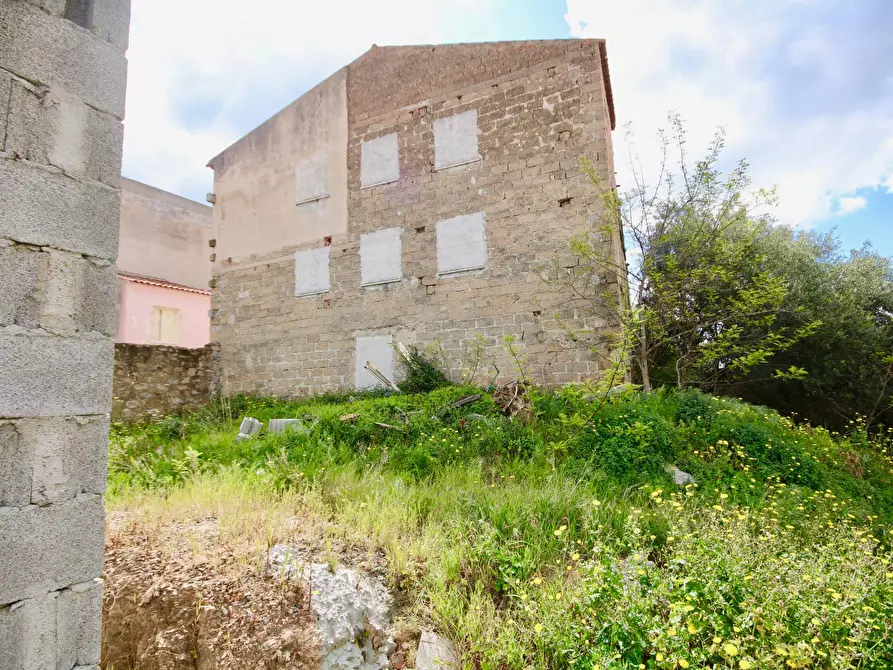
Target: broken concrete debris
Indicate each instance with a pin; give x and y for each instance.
(352, 610)
(282, 425)
(381, 377)
(435, 653)
(680, 478)
(249, 428)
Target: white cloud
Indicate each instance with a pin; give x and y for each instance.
(231, 56)
(740, 65)
(888, 183)
(850, 204)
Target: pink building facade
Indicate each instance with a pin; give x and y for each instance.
(163, 268)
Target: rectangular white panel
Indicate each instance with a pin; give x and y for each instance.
(461, 244)
(380, 257)
(456, 139)
(378, 350)
(311, 179)
(312, 271)
(379, 161)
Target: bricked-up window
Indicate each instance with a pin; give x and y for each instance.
(312, 271)
(456, 140)
(380, 257)
(378, 350)
(461, 244)
(311, 180)
(165, 325)
(379, 161)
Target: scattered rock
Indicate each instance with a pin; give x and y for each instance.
(680, 478)
(435, 653)
(349, 417)
(352, 612)
(249, 428)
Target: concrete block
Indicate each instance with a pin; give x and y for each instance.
(61, 278)
(5, 89)
(104, 141)
(67, 456)
(282, 425)
(111, 21)
(249, 428)
(96, 307)
(461, 244)
(44, 549)
(380, 257)
(44, 208)
(15, 468)
(378, 350)
(42, 49)
(29, 125)
(379, 161)
(28, 634)
(19, 267)
(43, 375)
(78, 622)
(456, 139)
(54, 7)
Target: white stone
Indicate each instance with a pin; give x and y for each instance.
(435, 653)
(249, 427)
(282, 425)
(680, 478)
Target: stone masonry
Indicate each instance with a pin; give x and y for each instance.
(62, 84)
(153, 381)
(534, 109)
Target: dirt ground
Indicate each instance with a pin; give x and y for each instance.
(178, 597)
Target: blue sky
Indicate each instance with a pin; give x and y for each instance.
(804, 88)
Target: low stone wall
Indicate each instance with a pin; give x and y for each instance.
(155, 380)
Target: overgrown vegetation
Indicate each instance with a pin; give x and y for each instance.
(726, 300)
(561, 542)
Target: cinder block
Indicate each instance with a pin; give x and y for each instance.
(61, 278)
(104, 142)
(43, 549)
(97, 300)
(18, 285)
(5, 85)
(28, 634)
(65, 456)
(78, 623)
(43, 375)
(111, 21)
(15, 468)
(44, 208)
(53, 52)
(28, 126)
(54, 7)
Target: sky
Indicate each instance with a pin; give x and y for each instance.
(802, 88)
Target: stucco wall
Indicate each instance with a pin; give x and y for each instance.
(135, 305)
(256, 215)
(62, 91)
(164, 236)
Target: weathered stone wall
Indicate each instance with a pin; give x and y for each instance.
(153, 380)
(540, 108)
(61, 105)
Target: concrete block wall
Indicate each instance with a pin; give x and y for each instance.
(62, 87)
(536, 118)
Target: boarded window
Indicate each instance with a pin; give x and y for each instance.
(376, 349)
(461, 244)
(380, 257)
(456, 140)
(312, 271)
(165, 325)
(311, 180)
(379, 162)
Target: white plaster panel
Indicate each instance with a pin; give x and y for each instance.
(380, 257)
(312, 271)
(456, 139)
(311, 179)
(461, 244)
(380, 161)
(378, 350)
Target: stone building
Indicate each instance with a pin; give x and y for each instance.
(163, 268)
(420, 195)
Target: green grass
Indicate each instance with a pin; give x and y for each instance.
(563, 543)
